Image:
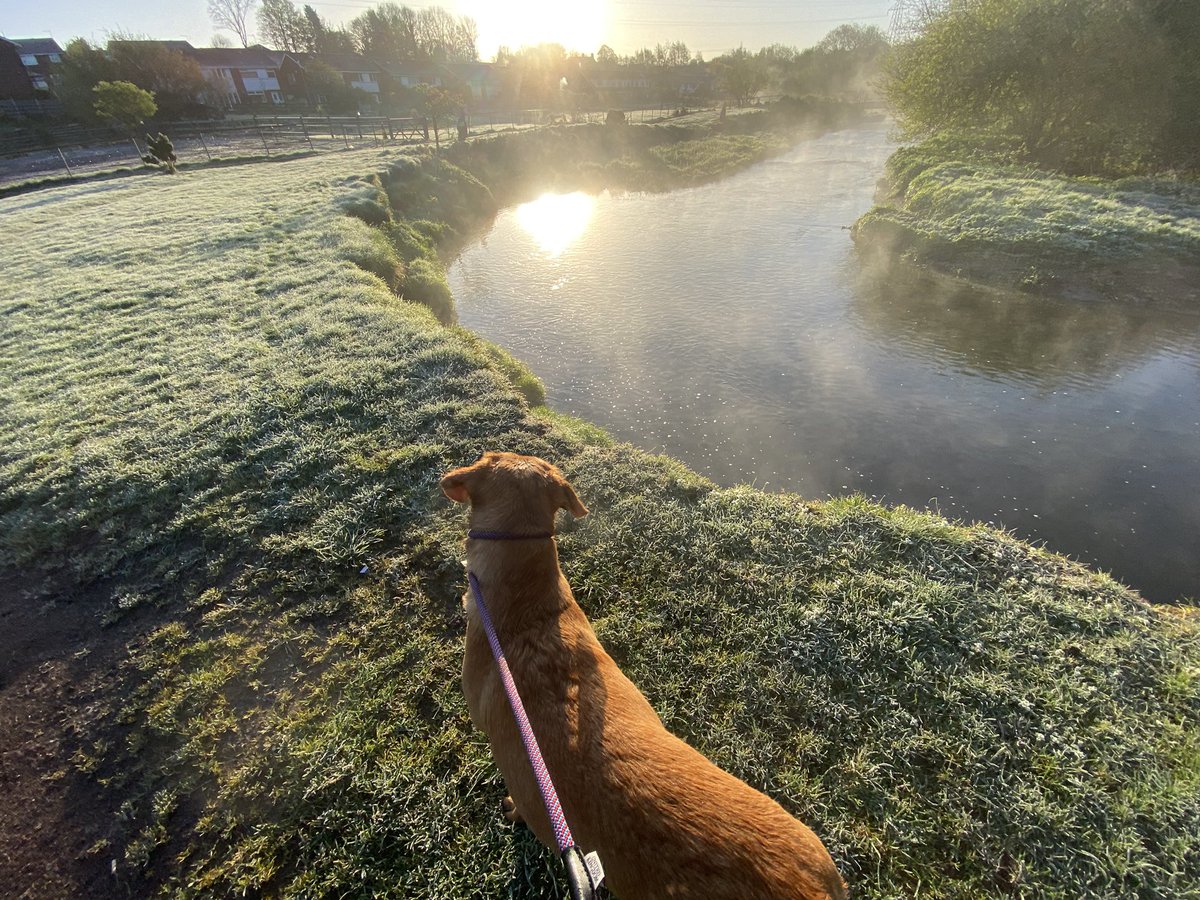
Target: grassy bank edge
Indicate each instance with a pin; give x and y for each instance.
(975, 211)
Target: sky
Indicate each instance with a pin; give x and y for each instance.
(711, 26)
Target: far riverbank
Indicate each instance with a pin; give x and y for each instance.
(982, 216)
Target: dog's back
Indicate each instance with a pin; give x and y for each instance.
(666, 822)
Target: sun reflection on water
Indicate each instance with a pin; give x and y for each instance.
(555, 221)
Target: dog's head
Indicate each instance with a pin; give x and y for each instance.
(513, 489)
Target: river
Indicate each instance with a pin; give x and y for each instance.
(733, 327)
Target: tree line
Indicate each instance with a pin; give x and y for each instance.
(174, 80)
(389, 32)
(844, 63)
(674, 53)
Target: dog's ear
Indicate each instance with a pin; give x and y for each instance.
(570, 500)
(458, 484)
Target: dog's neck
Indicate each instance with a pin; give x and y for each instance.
(520, 578)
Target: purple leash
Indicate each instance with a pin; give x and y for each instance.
(562, 833)
(584, 874)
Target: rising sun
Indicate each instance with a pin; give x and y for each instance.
(577, 25)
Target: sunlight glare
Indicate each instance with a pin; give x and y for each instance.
(579, 25)
(555, 221)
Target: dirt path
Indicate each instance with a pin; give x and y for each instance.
(54, 658)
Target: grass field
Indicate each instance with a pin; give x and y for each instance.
(221, 433)
(986, 216)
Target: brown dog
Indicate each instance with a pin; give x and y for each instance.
(665, 821)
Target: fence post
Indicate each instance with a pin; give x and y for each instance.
(391, 136)
(65, 163)
(204, 144)
(262, 137)
(136, 148)
(304, 128)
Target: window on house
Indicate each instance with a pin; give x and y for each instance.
(28, 59)
(54, 57)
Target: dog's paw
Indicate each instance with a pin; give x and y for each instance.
(509, 810)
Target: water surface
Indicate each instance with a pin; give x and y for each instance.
(733, 327)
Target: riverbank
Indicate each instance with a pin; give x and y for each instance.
(982, 216)
(233, 590)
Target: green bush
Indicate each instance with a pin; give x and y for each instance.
(1086, 86)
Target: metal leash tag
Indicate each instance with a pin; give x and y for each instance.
(595, 869)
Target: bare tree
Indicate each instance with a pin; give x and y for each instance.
(219, 40)
(388, 32)
(282, 26)
(445, 37)
(231, 15)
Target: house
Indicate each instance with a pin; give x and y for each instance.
(356, 71)
(618, 79)
(410, 74)
(15, 83)
(240, 75)
(638, 83)
(690, 83)
(237, 76)
(480, 78)
(41, 58)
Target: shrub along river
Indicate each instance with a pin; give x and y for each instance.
(733, 327)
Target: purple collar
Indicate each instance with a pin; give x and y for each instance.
(506, 536)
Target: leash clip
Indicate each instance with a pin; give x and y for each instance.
(585, 874)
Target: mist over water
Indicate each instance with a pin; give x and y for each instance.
(733, 327)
